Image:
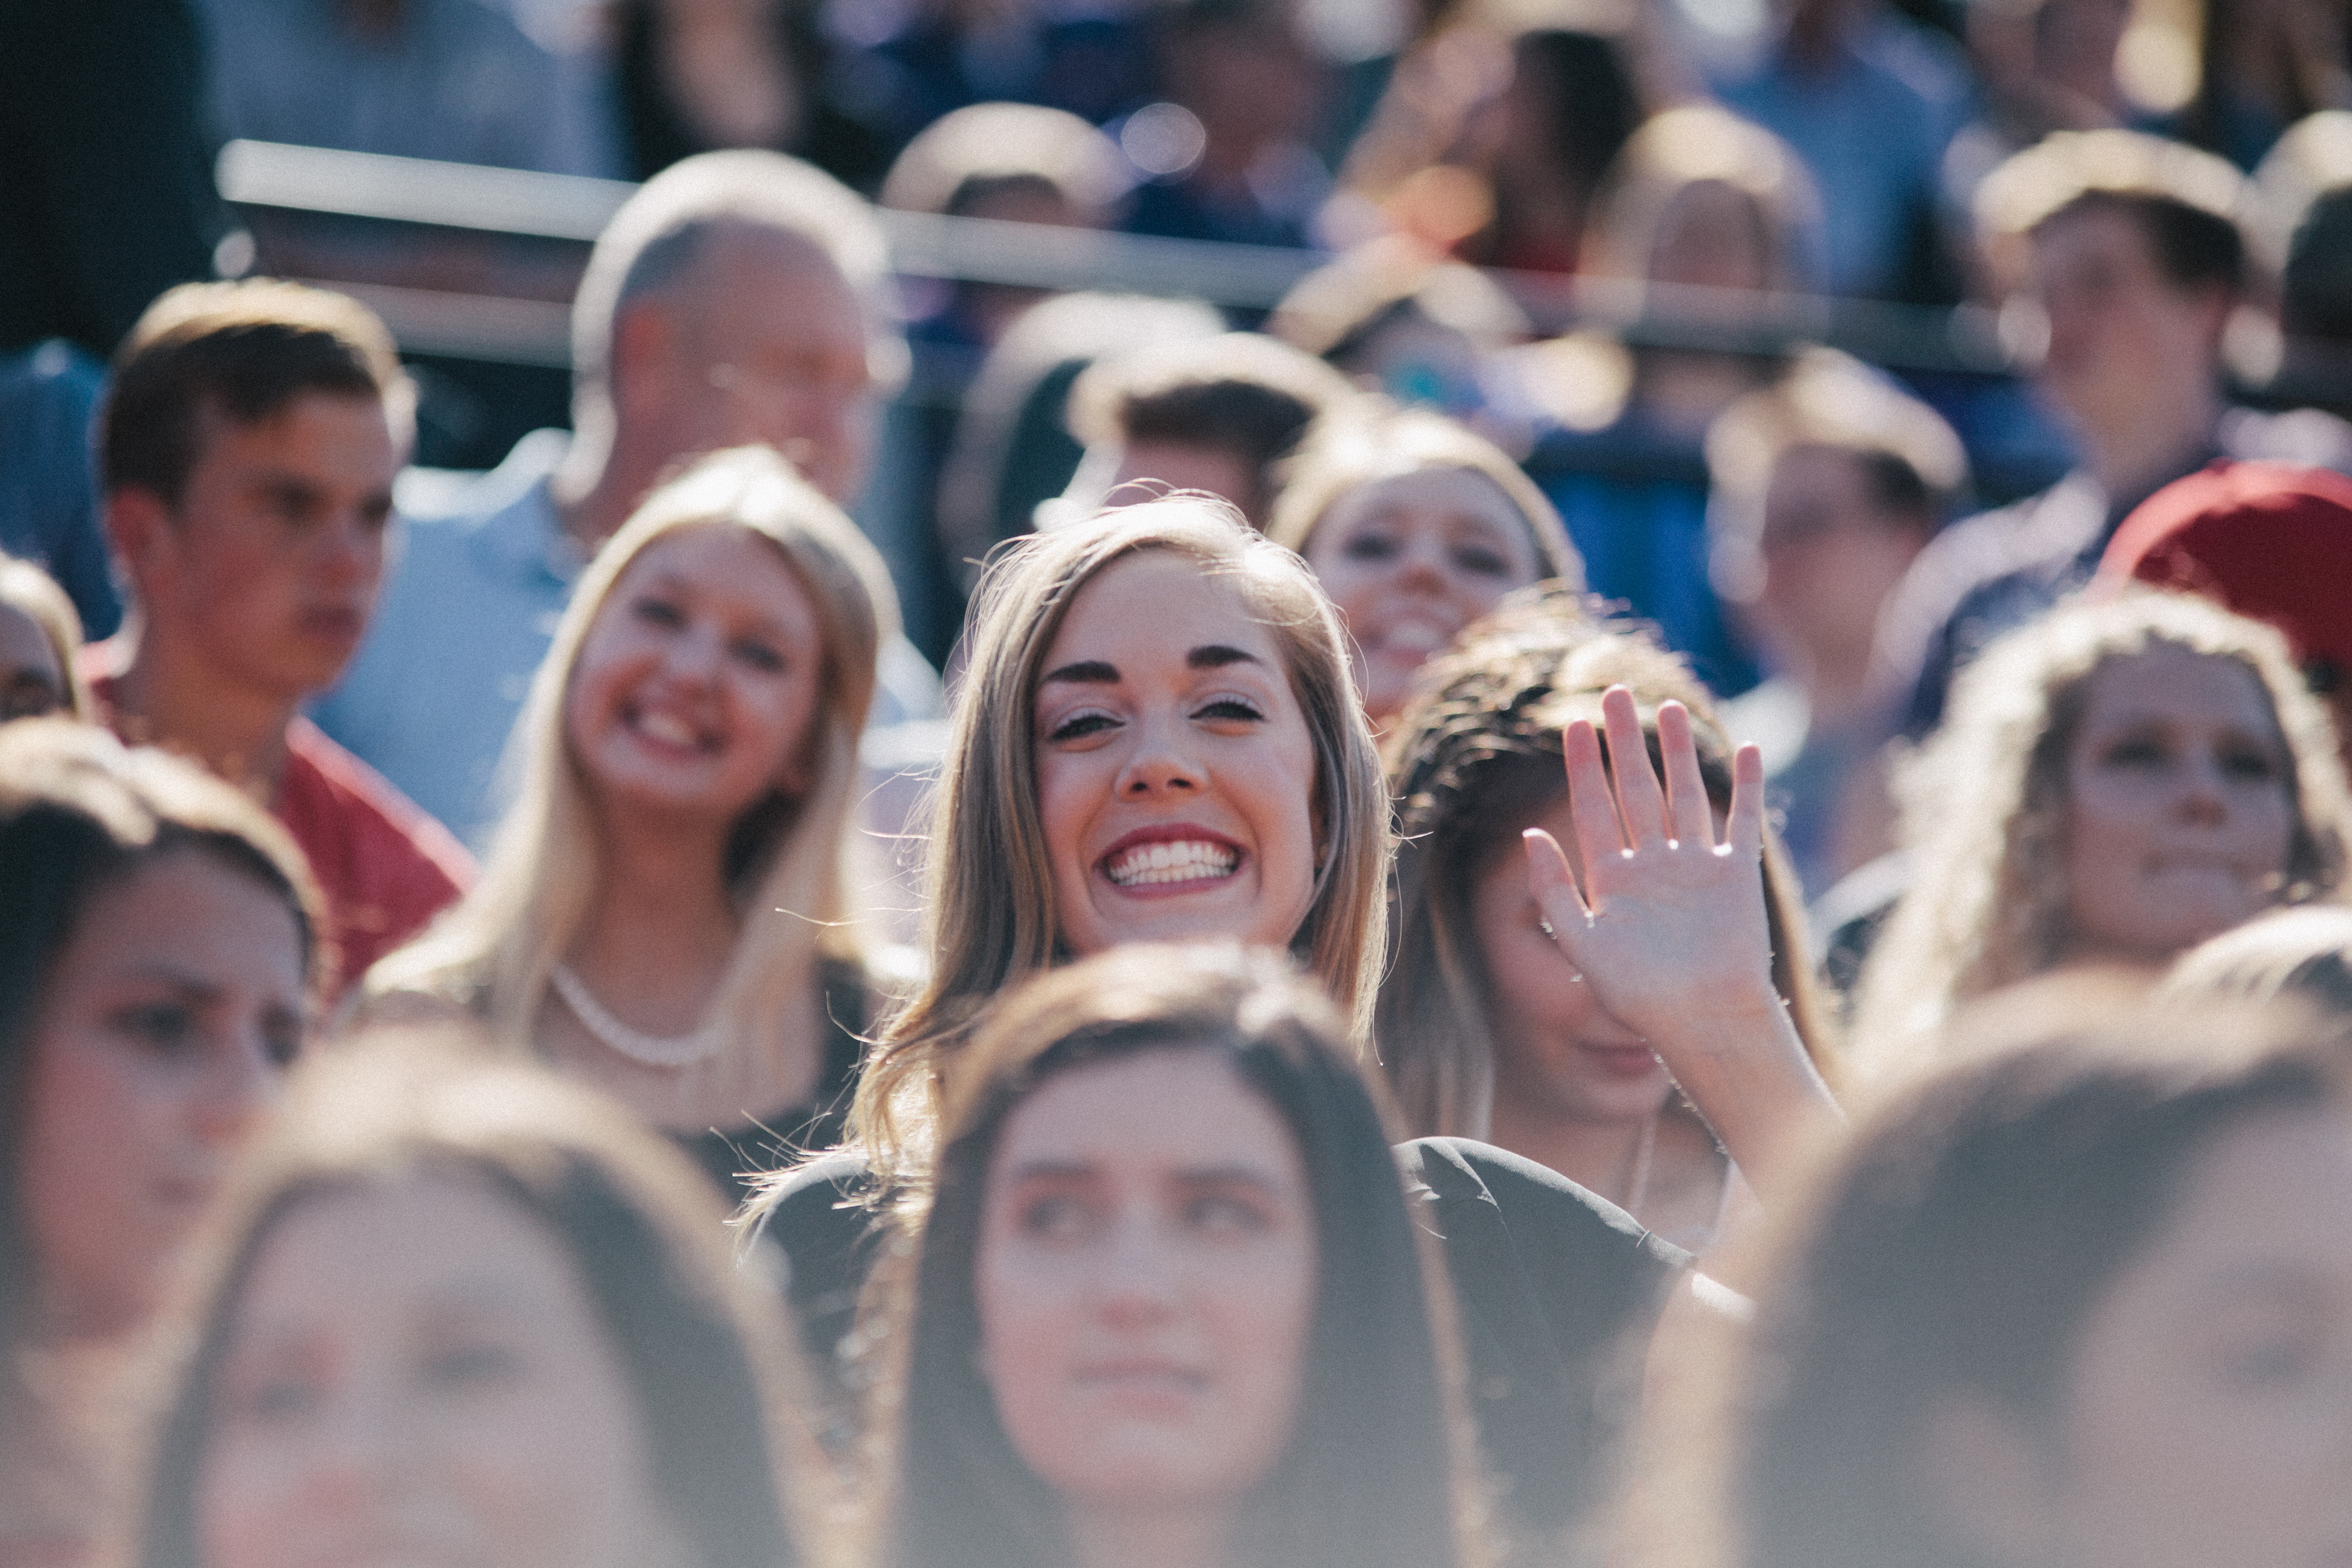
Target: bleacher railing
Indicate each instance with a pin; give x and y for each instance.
(475, 320)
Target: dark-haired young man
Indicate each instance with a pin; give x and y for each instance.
(247, 449)
(2130, 248)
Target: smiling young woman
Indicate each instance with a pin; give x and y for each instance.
(1160, 685)
(667, 909)
(1415, 527)
(2116, 784)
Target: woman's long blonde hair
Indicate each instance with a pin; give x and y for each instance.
(789, 859)
(1984, 808)
(989, 915)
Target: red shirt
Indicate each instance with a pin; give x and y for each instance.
(383, 866)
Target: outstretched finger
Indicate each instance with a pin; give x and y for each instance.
(1640, 800)
(1747, 824)
(1554, 885)
(1598, 834)
(1688, 812)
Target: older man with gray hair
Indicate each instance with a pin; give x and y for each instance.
(737, 297)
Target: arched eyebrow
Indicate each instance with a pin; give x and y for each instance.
(1086, 672)
(1216, 656)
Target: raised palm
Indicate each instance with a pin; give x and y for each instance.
(1669, 927)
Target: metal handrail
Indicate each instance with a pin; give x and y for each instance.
(574, 209)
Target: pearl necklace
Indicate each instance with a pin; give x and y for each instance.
(652, 1050)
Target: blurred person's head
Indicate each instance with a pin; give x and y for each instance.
(711, 673)
(1477, 1006)
(1212, 415)
(2081, 1304)
(2266, 541)
(2130, 247)
(2302, 954)
(1573, 105)
(156, 947)
(1167, 1291)
(1824, 487)
(1241, 69)
(1704, 199)
(463, 1313)
(1014, 162)
(1395, 319)
(1014, 452)
(737, 297)
(247, 448)
(1415, 527)
(40, 644)
(2302, 229)
(2112, 784)
(1157, 739)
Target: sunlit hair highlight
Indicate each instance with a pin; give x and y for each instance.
(790, 861)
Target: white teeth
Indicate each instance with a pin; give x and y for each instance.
(669, 728)
(1183, 860)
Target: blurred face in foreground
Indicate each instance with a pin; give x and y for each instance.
(1176, 775)
(1146, 1282)
(417, 1378)
(32, 683)
(2208, 1413)
(161, 1036)
(2178, 820)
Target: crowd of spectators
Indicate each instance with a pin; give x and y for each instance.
(1652, 869)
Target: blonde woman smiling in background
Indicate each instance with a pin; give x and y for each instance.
(667, 909)
(1415, 528)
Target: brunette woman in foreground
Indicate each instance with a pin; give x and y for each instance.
(1166, 1305)
(463, 1312)
(155, 965)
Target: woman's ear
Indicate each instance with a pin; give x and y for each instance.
(1983, 1479)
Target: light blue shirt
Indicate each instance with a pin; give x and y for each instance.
(467, 614)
